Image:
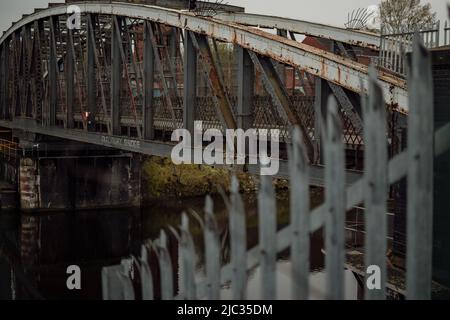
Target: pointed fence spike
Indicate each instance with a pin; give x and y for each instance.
(335, 199)
(146, 275)
(267, 214)
(212, 251)
(420, 175)
(375, 184)
(165, 265)
(300, 222)
(238, 241)
(188, 258)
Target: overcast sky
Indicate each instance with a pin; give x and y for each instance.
(332, 12)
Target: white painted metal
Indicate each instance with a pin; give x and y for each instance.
(267, 215)
(358, 38)
(212, 251)
(375, 186)
(300, 207)
(420, 176)
(334, 201)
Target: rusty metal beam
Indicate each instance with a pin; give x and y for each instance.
(190, 83)
(38, 75)
(211, 74)
(118, 25)
(322, 92)
(116, 76)
(171, 98)
(347, 105)
(281, 67)
(70, 83)
(21, 72)
(173, 45)
(6, 81)
(149, 82)
(246, 86)
(27, 65)
(52, 75)
(95, 55)
(280, 97)
(91, 78)
(134, 64)
(166, 55)
(16, 75)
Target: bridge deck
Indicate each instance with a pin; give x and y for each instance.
(155, 148)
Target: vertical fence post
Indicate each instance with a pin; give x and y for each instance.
(300, 205)
(188, 256)
(212, 251)
(146, 276)
(111, 284)
(124, 276)
(267, 213)
(165, 265)
(420, 175)
(335, 198)
(238, 242)
(375, 182)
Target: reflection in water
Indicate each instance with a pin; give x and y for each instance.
(35, 250)
(39, 248)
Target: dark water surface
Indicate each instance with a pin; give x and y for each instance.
(36, 249)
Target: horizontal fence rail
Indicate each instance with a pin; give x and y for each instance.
(415, 163)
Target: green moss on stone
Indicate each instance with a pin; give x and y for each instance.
(162, 178)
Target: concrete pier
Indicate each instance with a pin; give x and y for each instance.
(55, 174)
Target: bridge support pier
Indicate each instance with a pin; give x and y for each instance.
(62, 175)
(80, 182)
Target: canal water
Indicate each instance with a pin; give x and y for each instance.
(36, 249)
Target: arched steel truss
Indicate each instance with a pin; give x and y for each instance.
(53, 77)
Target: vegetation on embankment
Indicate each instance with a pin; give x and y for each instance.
(161, 179)
(164, 180)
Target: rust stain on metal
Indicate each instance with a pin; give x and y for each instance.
(322, 54)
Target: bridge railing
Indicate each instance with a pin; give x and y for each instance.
(415, 163)
(394, 45)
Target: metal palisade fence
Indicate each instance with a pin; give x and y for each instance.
(395, 44)
(415, 163)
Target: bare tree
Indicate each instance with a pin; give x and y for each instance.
(405, 15)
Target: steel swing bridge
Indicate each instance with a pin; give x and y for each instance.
(133, 73)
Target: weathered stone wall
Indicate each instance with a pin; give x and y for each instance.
(79, 182)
